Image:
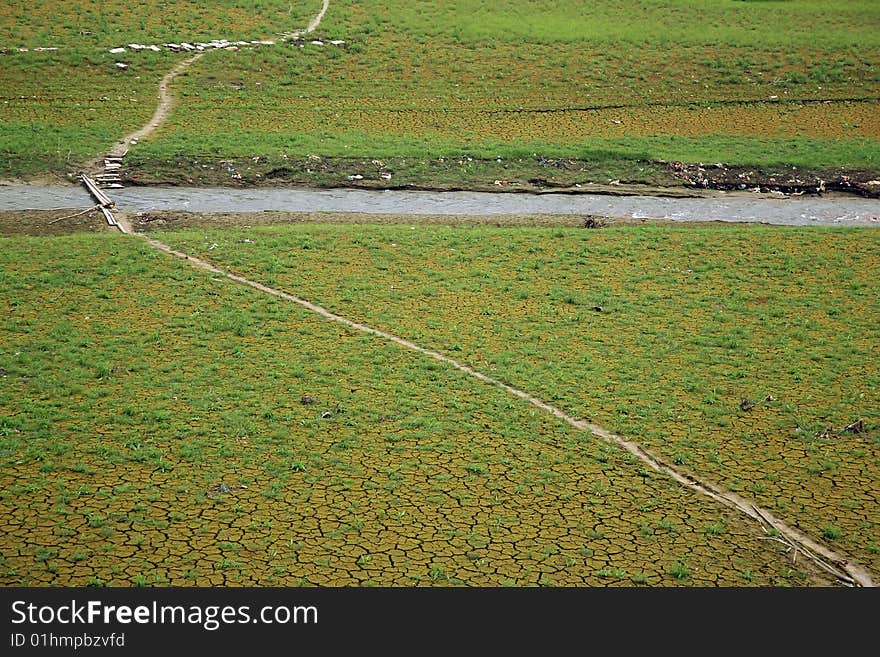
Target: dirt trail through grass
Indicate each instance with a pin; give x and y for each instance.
(845, 570)
(315, 21)
(120, 148)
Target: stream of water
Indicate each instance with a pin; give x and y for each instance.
(800, 210)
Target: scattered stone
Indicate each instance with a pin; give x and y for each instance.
(121, 65)
(306, 399)
(769, 398)
(598, 309)
(116, 51)
(746, 405)
(856, 427)
(593, 222)
(222, 489)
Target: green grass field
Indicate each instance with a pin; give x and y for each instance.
(163, 425)
(693, 321)
(729, 81)
(153, 432)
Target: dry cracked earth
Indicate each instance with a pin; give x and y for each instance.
(370, 466)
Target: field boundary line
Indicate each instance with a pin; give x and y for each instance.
(695, 104)
(844, 569)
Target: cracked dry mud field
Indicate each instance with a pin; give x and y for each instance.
(155, 432)
(421, 476)
(693, 322)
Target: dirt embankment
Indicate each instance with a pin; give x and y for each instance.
(524, 174)
(675, 179)
(46, 223)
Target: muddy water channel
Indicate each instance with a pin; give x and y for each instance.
(801, 210)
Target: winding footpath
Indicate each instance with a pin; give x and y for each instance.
(845, 570)
(163, 109)
(120, 148)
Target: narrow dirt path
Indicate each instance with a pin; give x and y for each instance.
(120, 148)
(315, 21)
(841, 567)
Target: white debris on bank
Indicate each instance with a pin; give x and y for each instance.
(38, 49)
(216, 44)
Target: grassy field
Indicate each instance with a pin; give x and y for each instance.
(743, 83)
(62, 108)
(162, 426)
(92, 24)
(739, 353)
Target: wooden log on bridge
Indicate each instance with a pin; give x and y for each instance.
(104, 201)
(98, 195)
